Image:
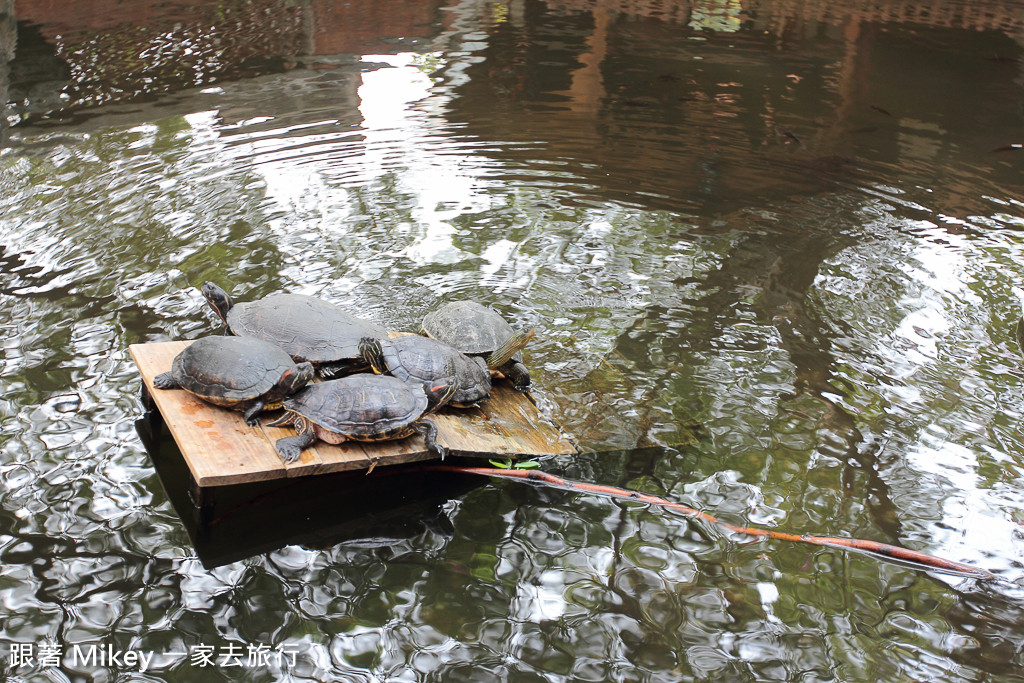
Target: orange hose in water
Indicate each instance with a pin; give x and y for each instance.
(882, 549)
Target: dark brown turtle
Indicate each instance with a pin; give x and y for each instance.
(416, 360)
(240, 373)
(477, 330)
(307, 328)
(362, 408)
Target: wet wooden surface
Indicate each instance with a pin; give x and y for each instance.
(221, 449)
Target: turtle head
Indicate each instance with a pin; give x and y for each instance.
(218, 299)
(439, 393)
(296, 378)
(511, 347)
(372, 352)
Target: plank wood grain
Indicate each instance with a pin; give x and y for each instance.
(220, 449)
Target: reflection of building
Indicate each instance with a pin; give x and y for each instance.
(118, 50)
(273, 27)
(975, 15)
(778, 16)
(8, 38)
(7, 35)
(712, 119)
(370, 26)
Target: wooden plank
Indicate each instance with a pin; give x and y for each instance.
(220, 449)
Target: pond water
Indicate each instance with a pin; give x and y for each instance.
(770, 250)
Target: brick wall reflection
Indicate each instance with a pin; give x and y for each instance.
(119, 49)
(778, 16)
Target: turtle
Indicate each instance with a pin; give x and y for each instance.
(308, 328)
(240, 373)
(416, 359)
(477, 330)
(362, 407)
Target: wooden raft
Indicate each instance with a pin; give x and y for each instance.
(220, 449)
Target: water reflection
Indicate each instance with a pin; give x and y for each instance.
(689, 125)
(97, 52)
(769, 247)
(314, 512)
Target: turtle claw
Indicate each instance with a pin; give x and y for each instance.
(252, 415)
(428, 430)
(165, 380)
(290, 447)
(289, 453)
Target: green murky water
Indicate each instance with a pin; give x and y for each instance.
(770, 250)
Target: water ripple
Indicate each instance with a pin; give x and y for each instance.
(742, 303)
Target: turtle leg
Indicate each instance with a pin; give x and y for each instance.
(428, 430)
(332, 370)
(165, 381)
(252, 413)
(341, 368)
(283, 421)
(519, 375)
(291, 447)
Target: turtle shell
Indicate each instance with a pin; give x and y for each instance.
(230, 370)
(470, 327)
(360, 406)
(412, 358)
(307, 328)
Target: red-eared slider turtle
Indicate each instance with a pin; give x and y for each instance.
(477, 330)
(239, 373)
(416, 360)
(307, 328)
(362, 408)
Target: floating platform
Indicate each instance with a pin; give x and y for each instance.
(220, 449)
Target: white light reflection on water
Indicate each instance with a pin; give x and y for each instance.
(436, 173)
(943, 328)
(930, 349)
(310, 171)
